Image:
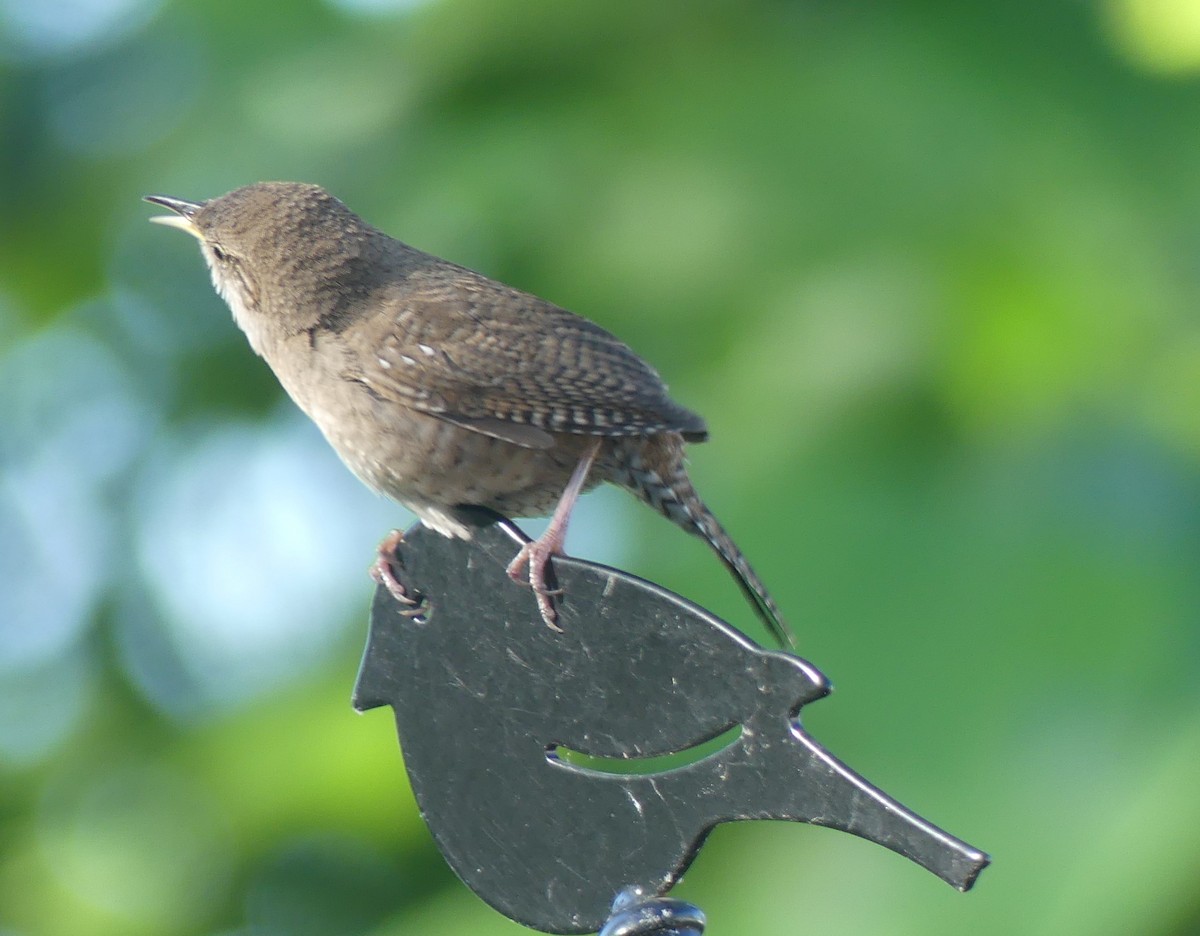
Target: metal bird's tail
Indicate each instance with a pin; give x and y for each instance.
(657, 475)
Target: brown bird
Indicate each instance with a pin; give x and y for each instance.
(444, 389)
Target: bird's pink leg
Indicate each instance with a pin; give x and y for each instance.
(537, 554)
(384, 573)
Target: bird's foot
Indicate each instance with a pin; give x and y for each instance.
(537, 555)
(383, 571)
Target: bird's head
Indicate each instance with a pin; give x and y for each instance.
(277, 250)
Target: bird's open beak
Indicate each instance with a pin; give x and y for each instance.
(182, 218)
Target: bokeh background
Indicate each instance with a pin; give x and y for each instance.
(930, 269)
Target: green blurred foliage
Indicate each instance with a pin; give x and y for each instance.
(929, 269)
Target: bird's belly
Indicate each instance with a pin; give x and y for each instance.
(431, 466)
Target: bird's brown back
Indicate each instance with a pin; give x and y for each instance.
(452, 343)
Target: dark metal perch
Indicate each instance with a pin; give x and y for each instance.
(489, 703)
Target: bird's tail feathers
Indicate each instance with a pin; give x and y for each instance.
(752, 586)
(664, 484)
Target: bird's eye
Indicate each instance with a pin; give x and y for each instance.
(219, 253)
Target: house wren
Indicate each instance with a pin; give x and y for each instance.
(442, 388)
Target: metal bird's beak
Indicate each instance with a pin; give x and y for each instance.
(182, 218)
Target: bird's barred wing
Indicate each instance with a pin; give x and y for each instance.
(510, 365)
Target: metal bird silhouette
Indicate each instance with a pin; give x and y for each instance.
(533, 754)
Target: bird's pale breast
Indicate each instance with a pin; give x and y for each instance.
(430, 465)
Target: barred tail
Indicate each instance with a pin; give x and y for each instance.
(657, 475)
(752, 586)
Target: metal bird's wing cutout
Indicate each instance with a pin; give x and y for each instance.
(537, 758)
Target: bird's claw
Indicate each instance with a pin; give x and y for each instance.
(383, 571)
(537, 555)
